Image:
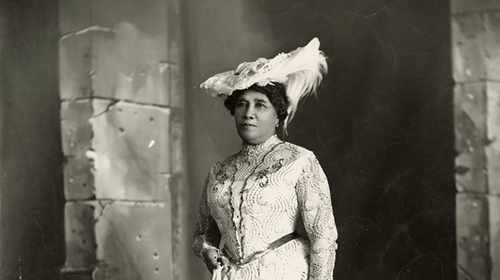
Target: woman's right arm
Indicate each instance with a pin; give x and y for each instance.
(206, 236)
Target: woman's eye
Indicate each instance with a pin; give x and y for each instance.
(240, 104)
(260, 105)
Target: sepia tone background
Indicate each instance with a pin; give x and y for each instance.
(106, 138)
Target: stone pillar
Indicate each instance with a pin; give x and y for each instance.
(122, 125)
(476, 72)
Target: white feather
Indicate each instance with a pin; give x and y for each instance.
(302, 72)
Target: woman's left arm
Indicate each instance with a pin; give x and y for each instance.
(313, 194)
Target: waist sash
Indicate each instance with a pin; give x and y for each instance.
(272, 246)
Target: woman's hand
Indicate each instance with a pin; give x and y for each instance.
(210, 258)
(213, 260)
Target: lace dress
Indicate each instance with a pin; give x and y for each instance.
(259, 195)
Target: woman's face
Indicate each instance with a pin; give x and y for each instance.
(255, 117)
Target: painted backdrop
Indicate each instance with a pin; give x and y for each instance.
(381, 126)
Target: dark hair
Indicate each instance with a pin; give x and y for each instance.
(275, 92)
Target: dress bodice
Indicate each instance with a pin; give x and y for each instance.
(261, 194)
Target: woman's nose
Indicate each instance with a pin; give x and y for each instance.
(249, 113)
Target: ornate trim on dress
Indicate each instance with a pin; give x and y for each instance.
(249, 150)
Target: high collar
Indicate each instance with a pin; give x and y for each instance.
(249, 149)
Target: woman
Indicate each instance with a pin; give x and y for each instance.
(255, 203)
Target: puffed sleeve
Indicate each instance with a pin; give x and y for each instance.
(206, 235)
(315, 205)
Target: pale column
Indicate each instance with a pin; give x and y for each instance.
(122, 125)
(476, 72)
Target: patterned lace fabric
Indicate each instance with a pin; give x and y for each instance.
(255, 197)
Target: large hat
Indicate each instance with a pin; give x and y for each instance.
(301, 71)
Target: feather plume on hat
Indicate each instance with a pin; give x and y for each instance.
(301, 71)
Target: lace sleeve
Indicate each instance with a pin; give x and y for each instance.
(316, 208)
(206, 234)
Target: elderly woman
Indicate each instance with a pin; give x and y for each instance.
(265, 212)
